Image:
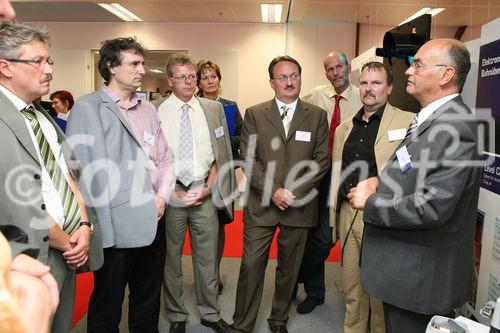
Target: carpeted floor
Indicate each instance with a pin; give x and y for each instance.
(326, 318)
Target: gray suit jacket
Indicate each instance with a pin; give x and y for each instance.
(21, 203)
(225, 191)
(419, 226)
(277, 157)
(115, 171)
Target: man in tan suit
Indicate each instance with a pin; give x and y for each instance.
(285, 146)
(362, 146)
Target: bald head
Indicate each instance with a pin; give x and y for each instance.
(337, 70)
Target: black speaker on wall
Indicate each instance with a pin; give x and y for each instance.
(399, 46)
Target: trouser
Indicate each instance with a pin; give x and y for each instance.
(66, 282)
(141, 268)
(203, 232)
(256, 244)
(319, 245)
(363, 311)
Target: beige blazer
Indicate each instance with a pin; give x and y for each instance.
(392, 119)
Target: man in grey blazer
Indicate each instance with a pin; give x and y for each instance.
(129, 172)
(39, 172)
(197, 131)
(285, 146)
(419, 213)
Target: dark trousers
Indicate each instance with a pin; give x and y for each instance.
(142, 269)
(398, 320)
(319, 245)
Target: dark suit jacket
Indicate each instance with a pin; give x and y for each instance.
(22, 204)
(276, 157)
(238, 124)
(419, 225)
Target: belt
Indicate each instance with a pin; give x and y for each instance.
(194, 183)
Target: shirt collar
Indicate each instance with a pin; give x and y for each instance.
(432, 107)
(346, 94)
(18, 103)
(292, 105)
(134, 99)
(378, 114)
(177, 103)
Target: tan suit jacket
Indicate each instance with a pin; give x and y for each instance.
(274, 157)
(392, 119)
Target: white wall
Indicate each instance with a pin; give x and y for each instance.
(242, 50)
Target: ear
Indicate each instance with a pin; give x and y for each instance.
(389, 89)
(448, 76)
(5, 68)
(271, 83)
(169, 81)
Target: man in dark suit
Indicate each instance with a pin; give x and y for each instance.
(419, 213)
(41, 203)
(285, 144)
(128, 170)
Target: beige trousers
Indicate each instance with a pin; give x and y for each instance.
(363, 312)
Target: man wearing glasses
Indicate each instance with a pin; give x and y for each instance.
(285, 145)
(41, 202)
(197, 132)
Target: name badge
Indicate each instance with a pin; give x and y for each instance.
(397, 134)
(219, 132)
(149, 138)
(303, 136)
(403, 159)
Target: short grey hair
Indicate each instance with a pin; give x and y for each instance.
(13, 35)
(178, 59)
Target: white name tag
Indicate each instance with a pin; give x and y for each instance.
(219, 132)
(397, 134)
(403, 159)
(303, 136)
(149, 138)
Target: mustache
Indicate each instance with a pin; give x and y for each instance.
(368, 94)
(47, 78)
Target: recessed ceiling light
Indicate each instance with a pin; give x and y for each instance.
(423, 11)
(154, 70)
(271, 13)
(120, 11)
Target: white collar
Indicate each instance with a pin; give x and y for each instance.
(432, 107)
(18, 103)
(291, 106)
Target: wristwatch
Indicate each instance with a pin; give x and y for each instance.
(88, 224)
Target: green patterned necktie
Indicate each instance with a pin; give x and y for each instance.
(68, 199)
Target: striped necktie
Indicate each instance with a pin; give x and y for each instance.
(412, 128)
(186, 163)
(285, 118)
(68, 199)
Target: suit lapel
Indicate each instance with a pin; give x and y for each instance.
(300, 114)
(108, 102)
(210, 117)
(387, 116)
(13, 118)
(272, 113)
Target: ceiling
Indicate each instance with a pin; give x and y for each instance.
(472, 13)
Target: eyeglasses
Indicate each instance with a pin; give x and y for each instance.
(418, 66)
(39, 62)
(284, 78)
(188, 78)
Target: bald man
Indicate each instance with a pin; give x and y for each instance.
(341, 100)
(419, 213)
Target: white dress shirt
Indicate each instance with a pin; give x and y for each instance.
(432, 107)
(324, 97)
(50, 195)
(170, 117)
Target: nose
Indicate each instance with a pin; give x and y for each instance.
(409, 71)
(141, 69)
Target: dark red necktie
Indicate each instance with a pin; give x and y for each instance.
(335, 121)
